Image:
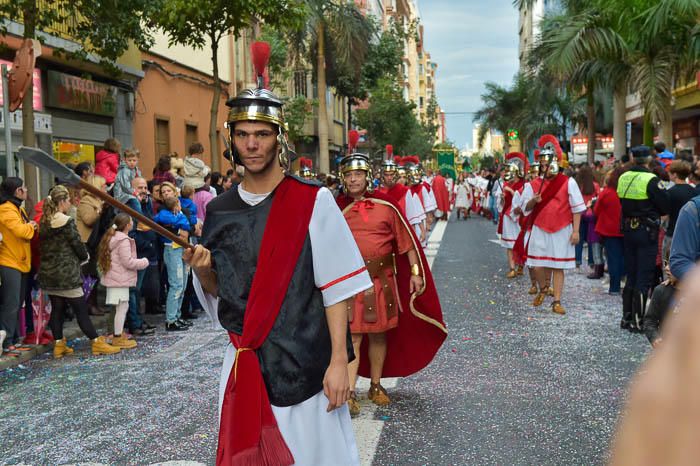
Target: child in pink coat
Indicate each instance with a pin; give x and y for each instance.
(119, 265)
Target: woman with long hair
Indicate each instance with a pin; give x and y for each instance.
(16, 232)
(88, 216)
(589, 190)
(118, 262)
(62, 253)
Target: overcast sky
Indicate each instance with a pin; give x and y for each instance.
(472, 41)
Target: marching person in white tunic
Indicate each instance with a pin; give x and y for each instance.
(276, 265)
(555, 204)
(509, 218)
(463, 199)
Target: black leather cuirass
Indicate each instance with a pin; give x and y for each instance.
(296, 353)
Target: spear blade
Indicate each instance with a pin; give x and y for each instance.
(65, 175)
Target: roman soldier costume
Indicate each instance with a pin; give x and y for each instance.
(412, 321)
(508, 226)
(306, 169)
(394, 170)
(551, 221)
(270, 252)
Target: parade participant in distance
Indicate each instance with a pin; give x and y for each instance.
(442, 197)
(508, 225)
(401, 315)
(413, 178)
(306, 169)
(392, 173)
(643, 204)
(266, 271)
(555, 204)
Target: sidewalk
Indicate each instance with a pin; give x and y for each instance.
(70, 332)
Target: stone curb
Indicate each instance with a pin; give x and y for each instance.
(70, 332)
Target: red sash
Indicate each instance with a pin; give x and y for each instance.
(508, 201)
(248, 433)
(520, 248)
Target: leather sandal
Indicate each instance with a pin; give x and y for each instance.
(557, 308)
(539, 299)
(378, 395)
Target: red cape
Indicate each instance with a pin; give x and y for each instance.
(442, 197)
(421, 330)
(396, 193)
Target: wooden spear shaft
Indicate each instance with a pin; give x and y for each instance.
(135, 214)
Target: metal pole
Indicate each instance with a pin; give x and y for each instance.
(9, 156)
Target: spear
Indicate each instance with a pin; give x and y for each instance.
(66, 176)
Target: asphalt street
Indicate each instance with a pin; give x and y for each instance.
(512, 384)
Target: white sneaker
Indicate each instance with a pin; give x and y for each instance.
(3, 334)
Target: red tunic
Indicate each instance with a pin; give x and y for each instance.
(379, 234)
(442, 197)
(557, 213)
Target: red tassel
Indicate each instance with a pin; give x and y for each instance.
(353, 138)
(397, 159)
(260, 53)
(389, 151)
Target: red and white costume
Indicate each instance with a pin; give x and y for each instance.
(549, 242)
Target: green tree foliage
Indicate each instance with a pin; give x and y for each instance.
(334, 37)
(200, 23)
(120, 23)
(391, 120)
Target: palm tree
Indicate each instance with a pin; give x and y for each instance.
(498, 112)
(583, 52)
(646, 45)
(336, 36)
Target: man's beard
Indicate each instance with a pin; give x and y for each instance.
(265, 169)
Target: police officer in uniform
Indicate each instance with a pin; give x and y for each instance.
(644, 201)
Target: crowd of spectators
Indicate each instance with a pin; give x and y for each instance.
(73, 256)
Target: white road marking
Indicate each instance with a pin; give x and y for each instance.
(367, 429)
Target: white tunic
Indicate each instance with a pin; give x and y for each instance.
(463, 197)
(314, 436)
(414, 209)
(429, 201)
(554, 250)
(511, 227)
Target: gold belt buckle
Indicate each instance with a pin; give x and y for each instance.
(634, 223)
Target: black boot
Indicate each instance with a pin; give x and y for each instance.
(627, 310)
(639, 305)
(597, 272)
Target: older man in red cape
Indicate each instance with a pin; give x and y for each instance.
(442, 196)
(413, 333)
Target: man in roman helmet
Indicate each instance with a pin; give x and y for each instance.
(394, 186)
(415, 185)
(306, 169)
(263, 273)
(396, 326)
(554, 204)
(508, 226)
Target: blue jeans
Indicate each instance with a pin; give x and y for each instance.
(176, 281)
(133, 317)
(615, 252)
(493, 209)
(583, 235)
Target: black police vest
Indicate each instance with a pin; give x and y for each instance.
(296, 353)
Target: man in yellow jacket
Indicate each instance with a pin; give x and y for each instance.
(15, 257)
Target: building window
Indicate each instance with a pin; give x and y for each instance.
(421, 102)
(162, 137)
(300, 83)
(190, 134)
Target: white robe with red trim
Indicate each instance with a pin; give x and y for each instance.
(553, 250)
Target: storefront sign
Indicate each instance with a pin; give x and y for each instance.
(36, 85)
(82, 95)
